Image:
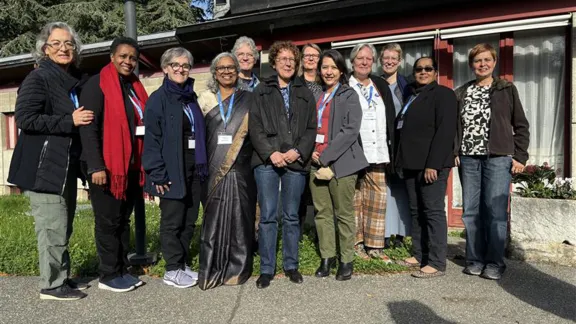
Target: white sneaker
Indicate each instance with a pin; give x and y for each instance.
(179, 279)
(192, 274)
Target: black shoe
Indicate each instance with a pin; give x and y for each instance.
(264, 281)
(344, 271)
(77, 285)
(294, 276)
(325, 266)
(473, 269)
(491, 273)
(63, 292)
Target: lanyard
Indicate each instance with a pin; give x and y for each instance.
(407, 105)
(74, 98)
(323, 105)
(230, 106)
(188, 112)
(137, 104)
(369, 99)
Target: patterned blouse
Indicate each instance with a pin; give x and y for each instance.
(476, 121)
(315, 87)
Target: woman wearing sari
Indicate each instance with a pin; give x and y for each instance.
(227, 239)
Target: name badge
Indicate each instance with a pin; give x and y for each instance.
(191, 142)
(400, 124)
(140, 130)
(370, 115)
(224, 139)
(319, 138)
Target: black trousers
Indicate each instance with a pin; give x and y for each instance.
(177, 223)
(112, 226)
(429, 226)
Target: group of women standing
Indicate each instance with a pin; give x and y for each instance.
(374, 152)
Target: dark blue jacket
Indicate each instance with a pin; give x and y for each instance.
(403, 84)
(163, 155)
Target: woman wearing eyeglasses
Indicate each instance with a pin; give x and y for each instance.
(247, 54)
(45, 162)
(282, 129)
(426, 127)
(309, 68)
(175, 162)
(227, 241)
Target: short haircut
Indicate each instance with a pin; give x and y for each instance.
(391, 47)
(122, 40)
(243, 40)
(213, 82)
(283, 45)
(481, 48)
(338, 60)
(174, 52)
(434, 64)
(359, 47)
(41, 39)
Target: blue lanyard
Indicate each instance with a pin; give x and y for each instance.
(136, 103)
(188, 112)
(407, 105)
(230, 106)
(74, 98)
(323, 105)
(369, 99)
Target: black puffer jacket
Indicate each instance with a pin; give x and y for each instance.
(270, 128)
(49, 143)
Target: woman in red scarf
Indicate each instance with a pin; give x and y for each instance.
(112, 159)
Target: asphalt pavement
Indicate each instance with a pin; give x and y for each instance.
(528, 293)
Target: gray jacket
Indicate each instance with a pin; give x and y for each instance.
(344, 153)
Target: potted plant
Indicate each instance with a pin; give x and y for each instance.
(543, 216)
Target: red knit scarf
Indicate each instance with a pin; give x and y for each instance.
(117, 145)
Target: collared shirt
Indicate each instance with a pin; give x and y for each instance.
(248, 84)
(373, 127)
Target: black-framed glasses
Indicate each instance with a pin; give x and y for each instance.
(426, 68)
(226, 68)
(176, 66)
(56, 45)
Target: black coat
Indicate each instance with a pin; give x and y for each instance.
(427, 136)
(49, 143)
(270, 128)
(383, 88)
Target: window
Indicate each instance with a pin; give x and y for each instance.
(462, 46)
(12, 131)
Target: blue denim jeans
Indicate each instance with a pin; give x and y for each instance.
(485, 190)
(268, 179)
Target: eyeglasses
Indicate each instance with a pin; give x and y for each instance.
(56, 45)
(426, 68)
(285, 60)
(227, 68)
(176, 66)
(311, 56)
(247, 55)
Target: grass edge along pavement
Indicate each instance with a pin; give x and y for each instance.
(19, 255)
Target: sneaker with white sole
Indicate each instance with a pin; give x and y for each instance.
(133, 280)
(192, 274)
(63, 292)
(117, 284)
(179, 279)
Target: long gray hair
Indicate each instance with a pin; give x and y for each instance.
(38, 52)
(213, 83)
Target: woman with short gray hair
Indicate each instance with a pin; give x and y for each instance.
(45, 162)
(247, 54)
(227, 239)
(175, 162)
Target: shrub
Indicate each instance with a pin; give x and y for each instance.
(540, 181)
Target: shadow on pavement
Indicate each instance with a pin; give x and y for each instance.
(541, 290)
(412, 311)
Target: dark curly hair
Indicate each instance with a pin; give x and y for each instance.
(284, 45)
(122, 40)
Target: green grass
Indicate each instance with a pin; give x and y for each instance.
(18, 254)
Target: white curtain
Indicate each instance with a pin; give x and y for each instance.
(462, 46)
(411, 51)
(539, 75)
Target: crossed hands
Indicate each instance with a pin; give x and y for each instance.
(281, 160)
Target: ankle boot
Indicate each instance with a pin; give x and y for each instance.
(325, 266)
(344, 271)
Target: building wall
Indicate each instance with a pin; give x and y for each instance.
(8, 102)
(573, 84)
